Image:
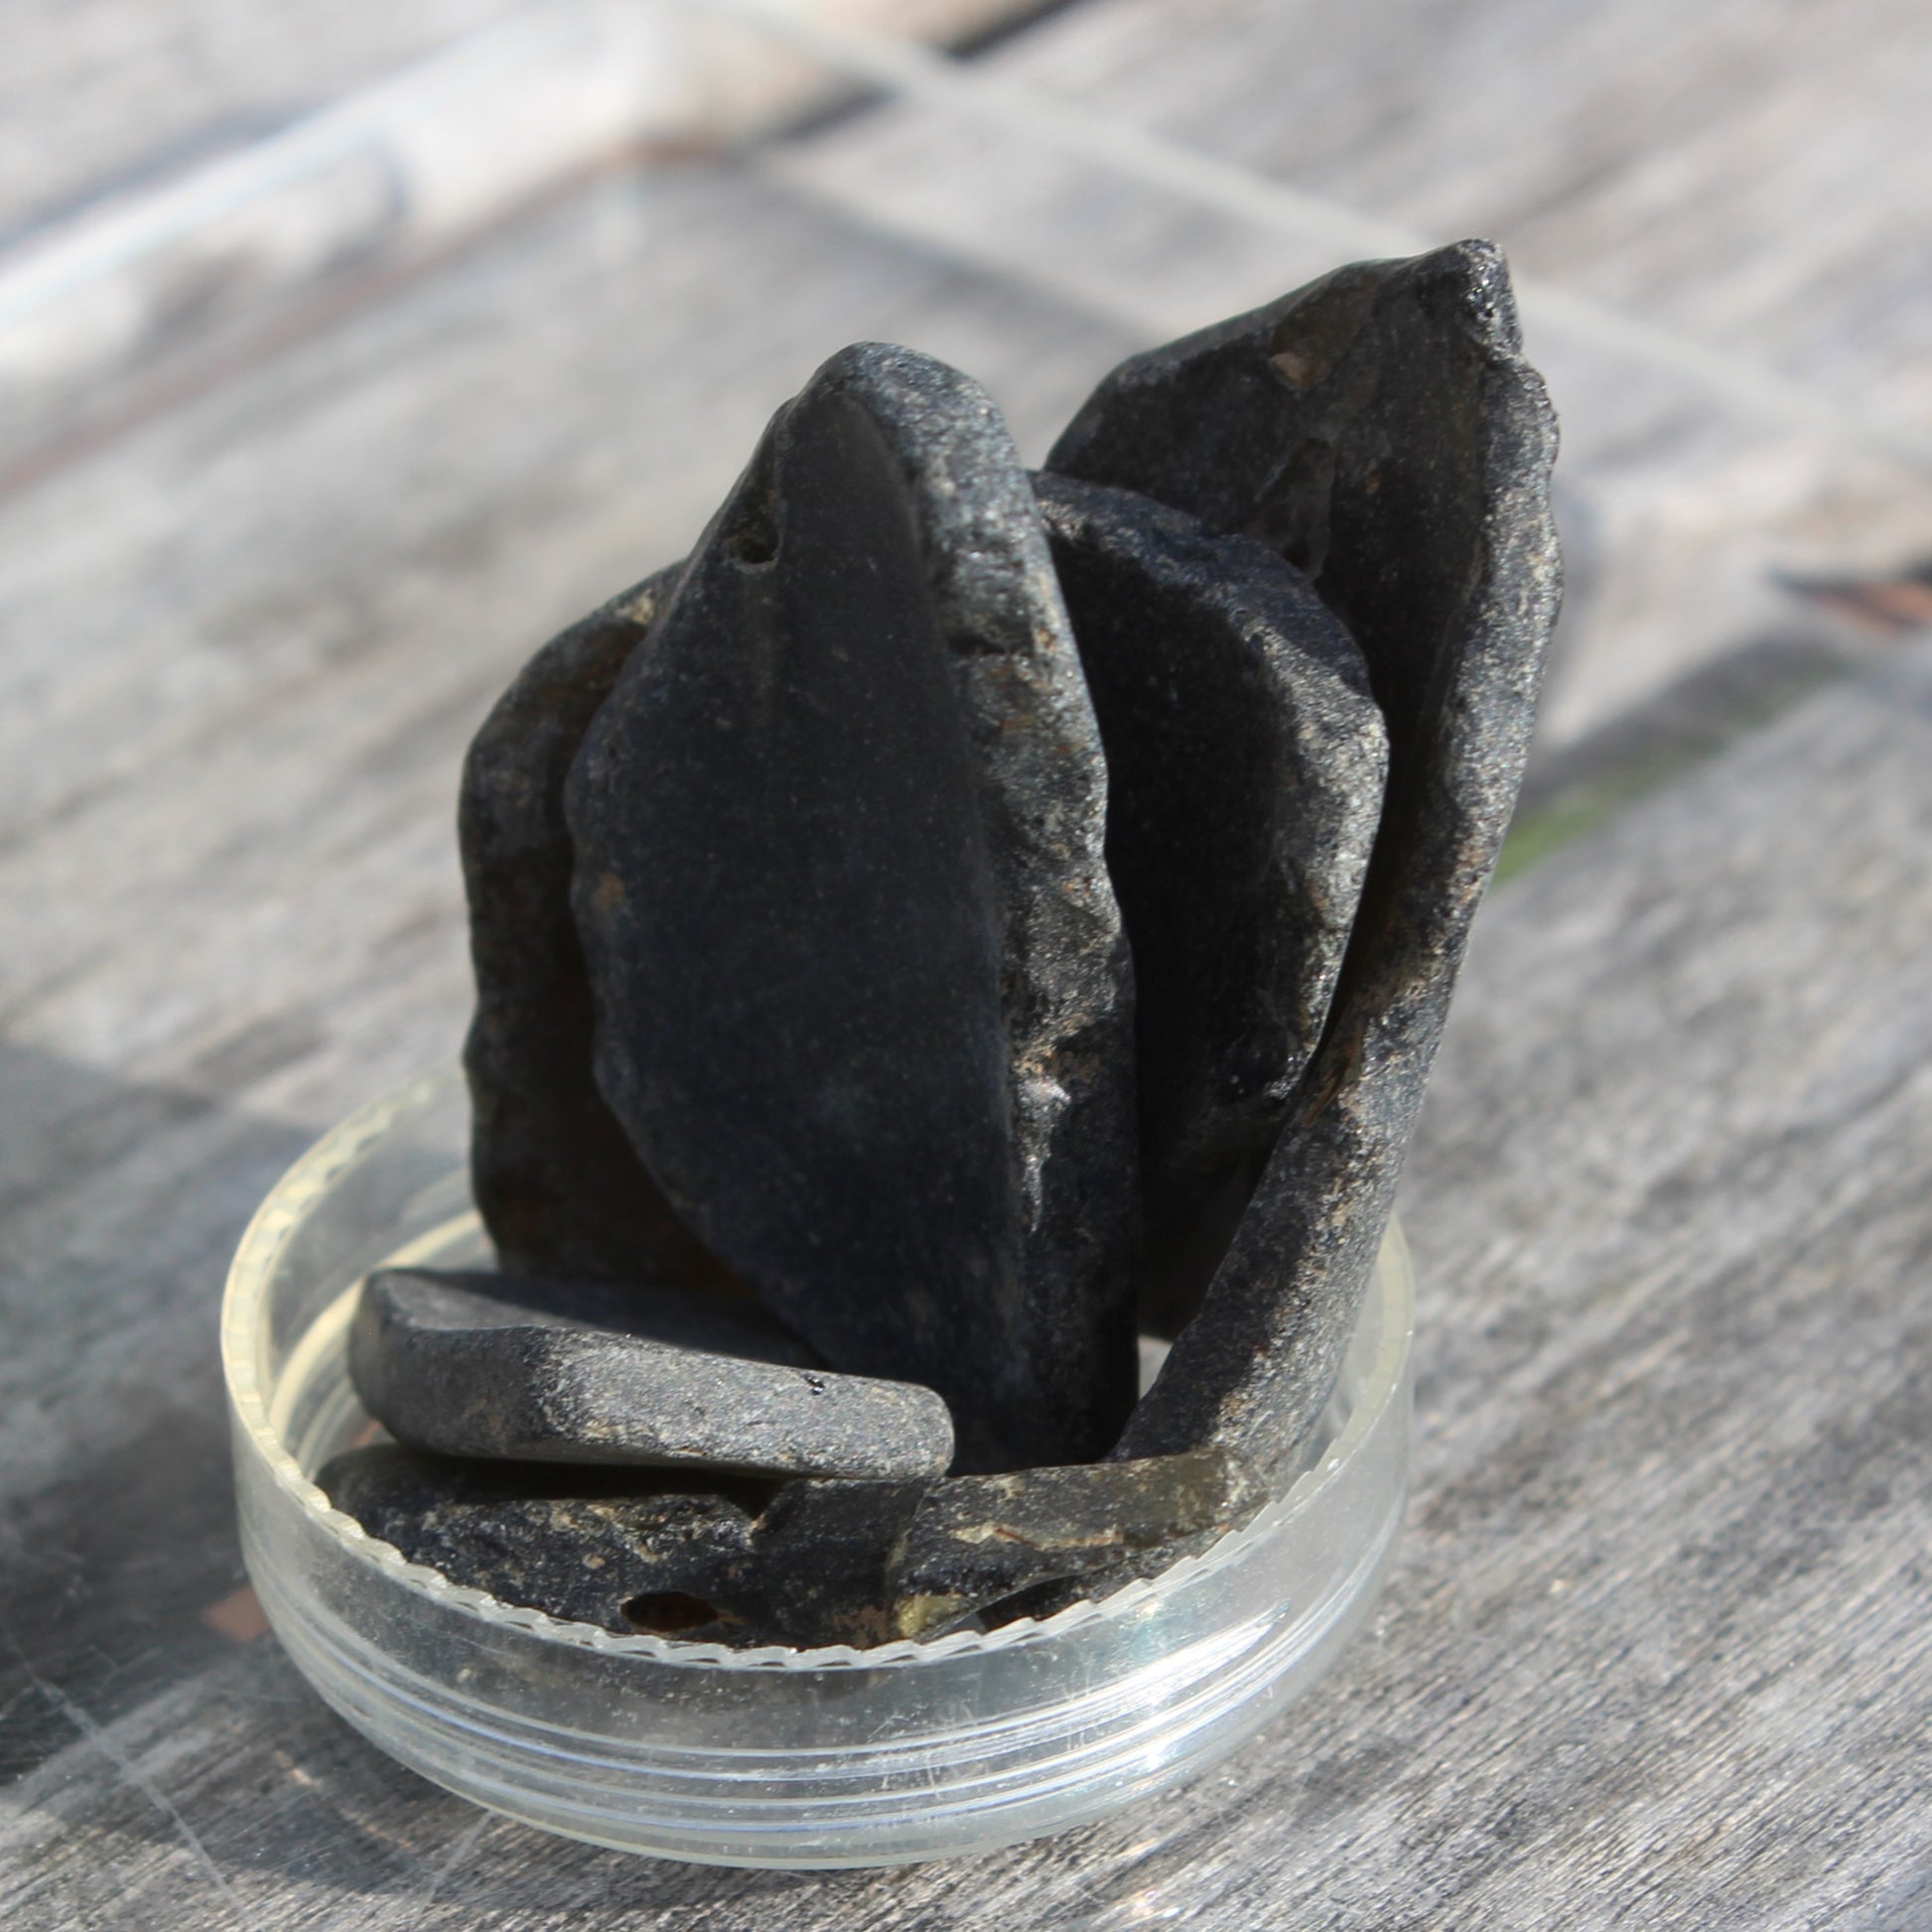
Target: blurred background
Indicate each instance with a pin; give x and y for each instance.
(348, 352)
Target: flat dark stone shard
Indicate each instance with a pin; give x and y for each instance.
(862, 992)
(1245, 761)
(980, 1544)
(809, 1564)
(611, 1548)
(805, 1566)
(1382, 432)
(458, 1372)
(555, 1179)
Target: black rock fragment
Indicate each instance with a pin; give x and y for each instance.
(1382, 432)
(979, 1545)
(454, 1365)
(1245, 759)
(555, 1179)
(812, 1562)
(821, 1557)
(615, 1547)
(860, 986)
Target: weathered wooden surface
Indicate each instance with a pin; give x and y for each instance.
(1654, 1653)
(96, 96)
(168, 273)
(101, 92)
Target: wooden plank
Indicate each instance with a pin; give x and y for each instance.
(92, 95)
(121, 92)
(1656, 1649)
(166, 279)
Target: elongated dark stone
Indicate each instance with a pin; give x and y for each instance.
(555, 1179)
(1245, 762)
(618, 1548)
(690, 1381)
(1382, 432)
(861, 986)
(808, 1564)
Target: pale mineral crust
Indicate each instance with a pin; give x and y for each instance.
(555, 1179)
(862, 992)
(1381, 431)
(514, 1371)
(1245, 762)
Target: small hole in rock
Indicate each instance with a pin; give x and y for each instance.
(755, 545)
(1034, 1600)
(755, 540)
(664, 1612)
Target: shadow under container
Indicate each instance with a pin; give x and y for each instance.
(758, 1758)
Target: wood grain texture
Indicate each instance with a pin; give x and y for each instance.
(161, 281)
(98, 91)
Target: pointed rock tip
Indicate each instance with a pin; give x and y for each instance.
(1478, 272)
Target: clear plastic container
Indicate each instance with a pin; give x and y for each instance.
(758, 1758)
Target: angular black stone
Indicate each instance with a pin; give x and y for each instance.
(517, 1372)
(555, 1179)
(1245, 764)
(860, 986)
(615, 1547)
(1382, 432)
(808, 1564)
(984, 1546)
(822, 1556)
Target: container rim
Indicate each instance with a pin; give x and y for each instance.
(314, 1173)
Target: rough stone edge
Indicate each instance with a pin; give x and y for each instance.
(1255, 1369)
